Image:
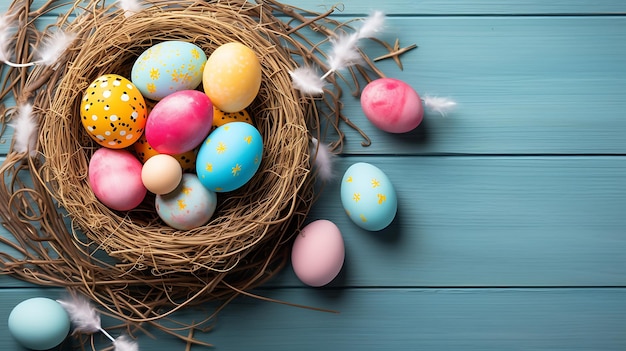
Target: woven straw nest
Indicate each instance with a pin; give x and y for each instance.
(131, 263)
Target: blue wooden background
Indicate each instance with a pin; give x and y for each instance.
(511, 230)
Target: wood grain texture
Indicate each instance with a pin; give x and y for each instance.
(511, 227)
(402, 319)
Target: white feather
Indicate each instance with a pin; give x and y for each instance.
(82, 314)
(5, 38)
(307, 81)
(438, 104)
(124, 343)
(344, 52)
(372, 25)
(25, 129)
(53, 46)
(130, 7)
(323, 159)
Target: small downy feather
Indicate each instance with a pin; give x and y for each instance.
(82, 314)
(124, 343)
(344, 52)
(130, 7)
(438, 104)
(25, 126)
(5, 38)
(307, 81)
(323, 159)
(372, 25)
(53, 46)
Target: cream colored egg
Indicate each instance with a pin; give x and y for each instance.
(161, 174)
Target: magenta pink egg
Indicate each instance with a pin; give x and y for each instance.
(318, 253)
(392, 105)
(115, 178)
(179, 122)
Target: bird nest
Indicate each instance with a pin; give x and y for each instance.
(131, 263)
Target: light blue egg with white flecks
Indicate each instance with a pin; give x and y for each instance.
(368, 196)
(189, 206)
(229, 157)
(168, 67)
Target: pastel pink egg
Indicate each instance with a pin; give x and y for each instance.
(179, 122)
(115, 179)
(318, 253)
(392, 105)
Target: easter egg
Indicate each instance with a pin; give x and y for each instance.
(318, 253)
(113, 111)
(392, 105)
(220, 117)
(144, 152)
(168, 67)
(179, 122)
(39, 323)
(229, 157)
(161, 174)
(368, 196)
(232, 77)
(115, 179)
(189, 206)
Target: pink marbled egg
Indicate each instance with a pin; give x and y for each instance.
(392, 105)
(115, 179)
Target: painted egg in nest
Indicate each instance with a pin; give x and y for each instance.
(113, 111)
(144, 152)
(220, 117)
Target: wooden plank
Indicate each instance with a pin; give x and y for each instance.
(562, 94)
(401, 319)
(487, 222)
(460, 7)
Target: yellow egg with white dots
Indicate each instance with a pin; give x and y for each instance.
(113, 111)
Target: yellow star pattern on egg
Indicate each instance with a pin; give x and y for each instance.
(375, 183)
(349, 179)
(221, 148)
(226, 127)
(154, 73)
(195, 53)
(248, 139)
(151, 87)
(381, 198)
(186, 190)
(356, 197)
(209, 167)
(208, 140)
(363, 218)
(181, 204)
(236, 170)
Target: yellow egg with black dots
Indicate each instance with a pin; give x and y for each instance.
(220, 117)
(144, 152)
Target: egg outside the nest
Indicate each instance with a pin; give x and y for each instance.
(229, 157)
(189, 206)
(392, 105)
(318, 253)
(39, 323)
(368, 196)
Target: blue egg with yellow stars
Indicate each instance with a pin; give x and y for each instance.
(229, 157)
(168, 67)
(368, 196)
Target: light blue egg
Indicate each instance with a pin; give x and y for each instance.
(39, 323)
(168, 67)
(229, 157)
(189, 206)
(368, 196)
